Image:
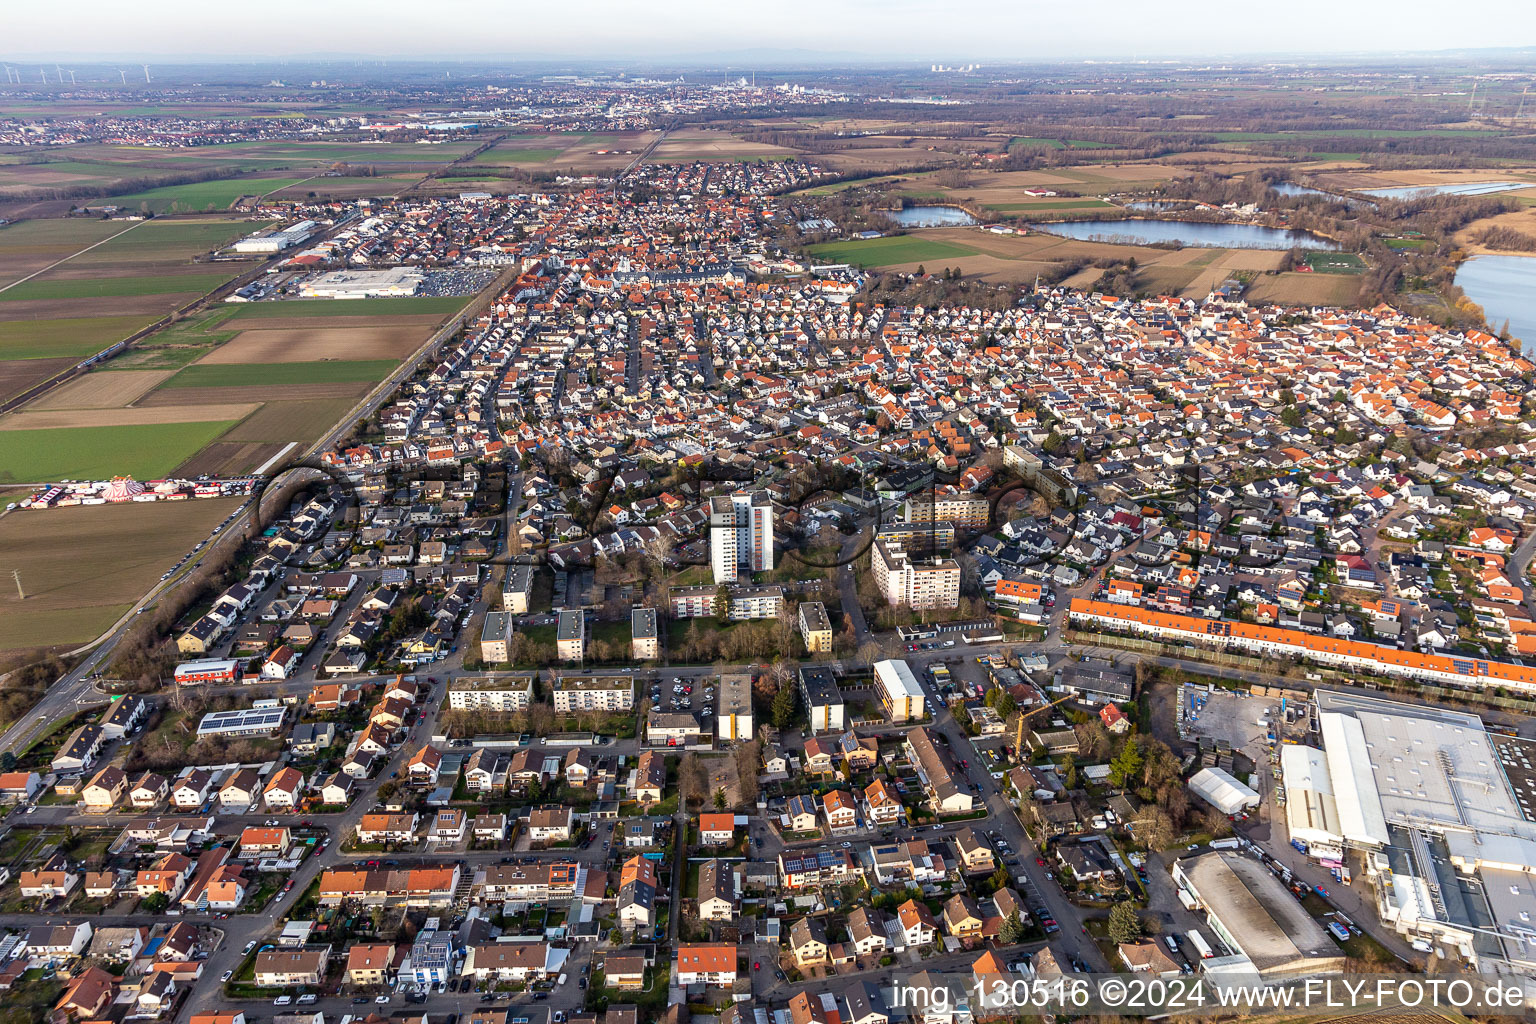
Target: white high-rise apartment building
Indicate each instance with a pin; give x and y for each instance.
(740, 535)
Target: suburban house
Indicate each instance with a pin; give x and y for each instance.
(104, 790)
(241, 790)
(549, 824)
(282, 968)
(370, 963)
(717, 829)
(54, 878)
(191, 790)
(379, 827)
(704, 964)
(149, 790)
(917, 924)
(283, 789)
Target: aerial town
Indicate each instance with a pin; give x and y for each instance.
(650, 548)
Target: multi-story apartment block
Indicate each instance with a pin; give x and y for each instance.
(740, 535)
(594, 693)
(502, 693)
(743, 601)
(904, 581)
(815, 627)
(645, 635)
(571, 635)
(964, 509)
(496, 637)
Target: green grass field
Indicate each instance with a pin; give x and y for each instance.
(155, 241)
(92, 169)
(200, 195)
(226, 375)
(114, 287)
(883, 252)
(29, 628)
(354, 152)
(1335, 262)
(96, 453)
(1031, 142)
(1061, 204)
(55, 339)
(348, 307)
(60, 236)
(498, 155)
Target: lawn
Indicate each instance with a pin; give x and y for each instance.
(145, 452)
(229, 375)
(349, 307)
(884, 252)
(113, 287)
(200, 195)
(75, 336)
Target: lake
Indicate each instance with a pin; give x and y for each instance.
(1222, 236)
(1503, 286)
(1468, 188)
(931, 217)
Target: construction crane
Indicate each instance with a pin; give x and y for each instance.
(1018, 739)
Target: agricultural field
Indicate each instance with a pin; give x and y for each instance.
(226, 387)
(321, 344)
(891, 250)
(712, 144)
(93, 283)
(309, 309)
(268, 154)
(117, 552)
(145, 451)
(1292, 288)
(233, 375)
(575, 151)
(351, 186)
(93, 287)
(200, 196)
(31, 245)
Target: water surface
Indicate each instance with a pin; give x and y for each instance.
(1224, 236)
(1505, 286)
(931, 217)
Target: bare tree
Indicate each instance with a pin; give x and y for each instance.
(692, 781)
(748, 756)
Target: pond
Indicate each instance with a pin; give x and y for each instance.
(1466, 188)
(931, 217)
(1503, 286)
(1225, 236)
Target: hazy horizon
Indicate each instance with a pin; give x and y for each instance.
(690, 30)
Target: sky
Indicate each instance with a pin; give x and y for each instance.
(877, 30)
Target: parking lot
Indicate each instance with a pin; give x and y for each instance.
(454, 283)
